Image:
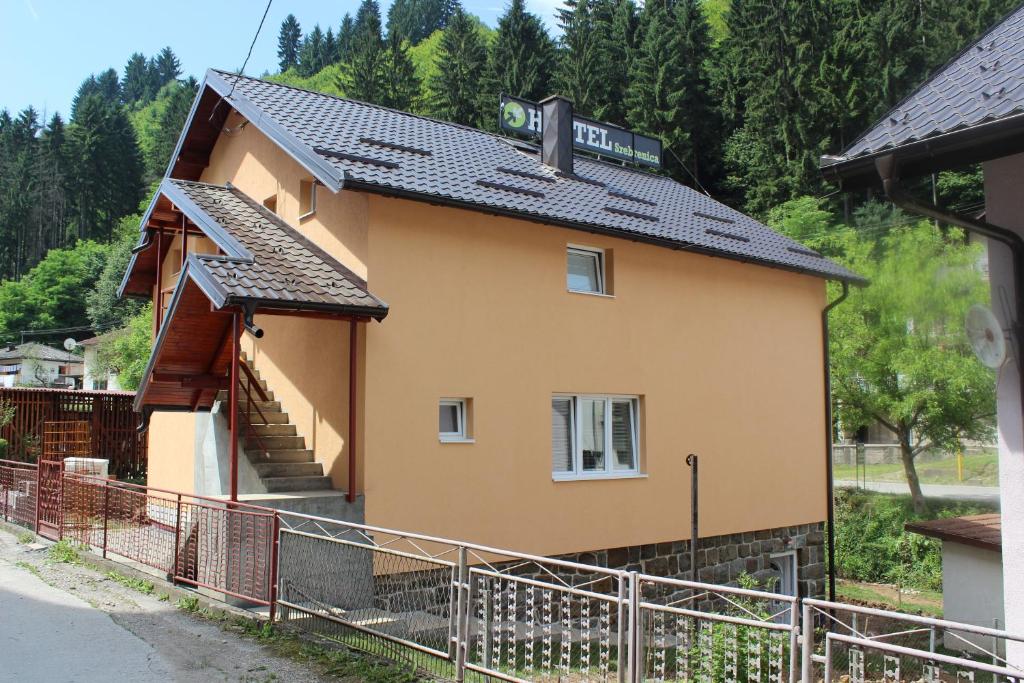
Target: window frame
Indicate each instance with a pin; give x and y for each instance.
(461, 435)
(312, 198)
(602, 276)
(576, 427)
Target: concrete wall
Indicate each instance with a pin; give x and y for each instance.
(172, 451)
(972, 589)
(1004, 206)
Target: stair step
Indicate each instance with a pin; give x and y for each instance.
(281, 455)
(273, 470)
(276, 443)
(264, 431)
(287, 484)
(273, 417)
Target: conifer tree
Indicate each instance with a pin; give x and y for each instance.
(168, 68)
(135, 86)
(311, 53)
(461, 61)
(520, 60)
(345, 38)
(362, 77)
(579, 75)
(668, 95)
(401, 84)
(289, 39)
(329, 54)
(615, 25)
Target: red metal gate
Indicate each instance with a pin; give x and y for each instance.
(60, 440)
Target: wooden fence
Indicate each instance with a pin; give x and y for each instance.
(113, 425)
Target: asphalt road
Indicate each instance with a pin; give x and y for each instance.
(972, 494)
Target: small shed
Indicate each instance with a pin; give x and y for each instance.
(972, 570)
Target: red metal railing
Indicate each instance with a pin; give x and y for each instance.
(18, 489)
(229, 548)
(249, 386)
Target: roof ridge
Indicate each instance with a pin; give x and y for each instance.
(931, 76)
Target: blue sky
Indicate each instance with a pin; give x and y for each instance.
(47, 47)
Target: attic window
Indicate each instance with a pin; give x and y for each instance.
(307, 198)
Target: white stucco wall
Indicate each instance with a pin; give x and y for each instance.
(1004, 206)
(972, 589)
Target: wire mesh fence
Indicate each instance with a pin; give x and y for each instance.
(857, 643)
(18, 490)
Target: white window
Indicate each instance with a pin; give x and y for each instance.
(594, 436)
(307, 198)
(452, 419)
(785, 565)
(586, 271)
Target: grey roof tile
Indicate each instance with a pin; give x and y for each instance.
(285, 266)
(983, 83)
(470, 168)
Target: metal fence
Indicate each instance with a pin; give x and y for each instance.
(466, 612)
(858, 643)
(18, 488)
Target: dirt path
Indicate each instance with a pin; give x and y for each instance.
(67, 622)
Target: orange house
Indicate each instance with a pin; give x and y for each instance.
(433, 328)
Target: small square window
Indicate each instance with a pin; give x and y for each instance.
(307, 198)
(453, 419)
(585, 271)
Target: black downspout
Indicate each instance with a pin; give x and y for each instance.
(831, 523)
(887, 171)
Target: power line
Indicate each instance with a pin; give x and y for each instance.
(251, 46)
(688, 171)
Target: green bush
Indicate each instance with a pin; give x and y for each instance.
(872, 545)
(3, 449)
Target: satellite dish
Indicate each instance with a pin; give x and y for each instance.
(986, 336)
(70, 344)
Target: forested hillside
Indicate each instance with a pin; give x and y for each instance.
(745, 95)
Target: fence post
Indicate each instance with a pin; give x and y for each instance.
(106, 514)
(39, 494)
(275, 560)
(794, 639)
(621, 630)
(177, 540)
(806, 644)
(462, 617)
(635, 641)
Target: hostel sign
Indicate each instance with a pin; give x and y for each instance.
(526, 118)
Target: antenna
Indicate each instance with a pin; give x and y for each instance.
(70, 344)
(987, 337)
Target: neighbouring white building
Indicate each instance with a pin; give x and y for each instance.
(972, 572)
(38, 365)
(96, 378)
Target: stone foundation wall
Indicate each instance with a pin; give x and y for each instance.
(722, 559)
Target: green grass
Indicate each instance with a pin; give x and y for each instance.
(189, 604)
(872, 545)
(26, 537)
(979, 470)
(926, 602)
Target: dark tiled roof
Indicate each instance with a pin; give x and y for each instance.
(983, 531)
(282, 268)
(984, 83)
(348, 143)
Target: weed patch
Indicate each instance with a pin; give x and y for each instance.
(135, 584)
(189, 604)
(64, 551)
(26, 537)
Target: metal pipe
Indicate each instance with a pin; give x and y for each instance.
(353, 341)
(236, 351)
(888, 172)
(691, 460)
(829, 492)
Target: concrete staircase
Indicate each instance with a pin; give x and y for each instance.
(276, 450)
